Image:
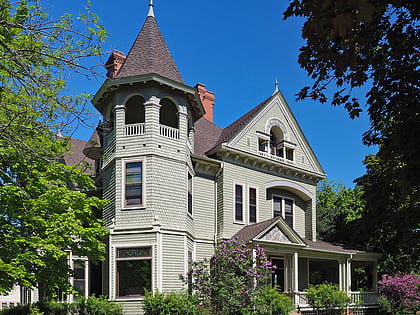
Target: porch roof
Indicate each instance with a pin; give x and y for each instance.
(254, 231)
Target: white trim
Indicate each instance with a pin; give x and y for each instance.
(274, 121)
(288, 184)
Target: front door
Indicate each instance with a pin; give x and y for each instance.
(278, 275)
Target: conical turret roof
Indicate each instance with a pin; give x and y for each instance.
(150, 54)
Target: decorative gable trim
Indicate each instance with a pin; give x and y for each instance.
(285, 229)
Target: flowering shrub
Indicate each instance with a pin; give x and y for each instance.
(228, 282)
(402, 292)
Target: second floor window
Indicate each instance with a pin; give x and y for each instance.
(133, 184)
(283, 207)
(252, 205)
(239, 208)
(190, 194)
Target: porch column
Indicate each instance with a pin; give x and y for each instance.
(295, 279)
(348, 275)
(342, 275)
(375, 276)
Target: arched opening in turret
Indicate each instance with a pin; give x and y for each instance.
(134, 110)
(168, 113)
(276, 139)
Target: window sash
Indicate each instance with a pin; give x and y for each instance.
(133, 183)
(238, 203)
(252, 205)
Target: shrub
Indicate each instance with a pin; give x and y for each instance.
(402, 293)
(270, 301)
(228, 282)
(90, 306)
(172, 303)
(327, 297)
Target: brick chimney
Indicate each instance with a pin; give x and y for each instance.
(114, 63)
(207, 98)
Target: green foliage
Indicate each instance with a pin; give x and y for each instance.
(90, 306)
(337, 209)
(271, 302)
(385, 306)
(228, 282)
(172, 303)
(373, 45)
(43, 210)
(327, 297)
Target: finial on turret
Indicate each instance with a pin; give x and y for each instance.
(151, 12)
(276, 86)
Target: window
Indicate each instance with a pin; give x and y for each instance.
(252, 205)
(190, 194)
(134, 184)
(239, 203)
(134, 271)
(168, 113)
(79, 277)
(283, 207)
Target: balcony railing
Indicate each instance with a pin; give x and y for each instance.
(169, 132)
(134, 129)
(271, 156)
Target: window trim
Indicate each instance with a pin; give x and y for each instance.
(234, 203)
(283, 207)
(249, 204)
(116, 259)
(123, 191)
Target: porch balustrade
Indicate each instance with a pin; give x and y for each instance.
(169, 132)
(134, 129)
(367, 298)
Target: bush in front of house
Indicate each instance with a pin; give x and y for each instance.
(229, 281)
(271, 302)
(90, 306)
(327, 297)
(172, 303)
(399, 294)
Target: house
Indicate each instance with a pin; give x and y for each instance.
(178, 184)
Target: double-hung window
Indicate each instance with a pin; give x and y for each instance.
(283, 207)
(239, 203)
(252, 205)
(133, 184)
(134, 271)
(190, 194)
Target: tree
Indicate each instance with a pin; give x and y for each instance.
(41, 218)
(328, 298)
(229, 282)
(373, 44)
(402, 292)
(337, 208)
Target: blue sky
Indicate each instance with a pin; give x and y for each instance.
(235, 48)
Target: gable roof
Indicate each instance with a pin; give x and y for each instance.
(75, 157)
(150, 54)
(230, 131)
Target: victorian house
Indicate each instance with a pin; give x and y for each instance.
(178, 184)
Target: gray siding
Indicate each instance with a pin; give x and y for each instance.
(173, 261)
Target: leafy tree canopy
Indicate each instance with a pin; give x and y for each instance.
(41, 219)
(374, 44)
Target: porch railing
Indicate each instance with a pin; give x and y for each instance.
(367, 298)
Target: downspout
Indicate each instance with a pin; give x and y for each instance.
(216, 203)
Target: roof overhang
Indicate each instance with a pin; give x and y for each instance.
(110, 85)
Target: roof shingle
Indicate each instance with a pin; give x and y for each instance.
(150, 54)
